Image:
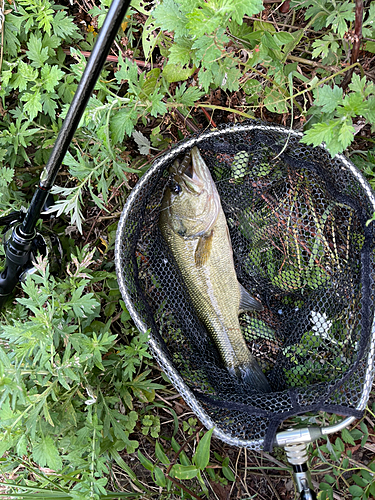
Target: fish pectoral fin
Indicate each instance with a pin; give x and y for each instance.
(247, 302)
(203, 250)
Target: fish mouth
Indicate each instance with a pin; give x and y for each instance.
(194, 180)
(195, 173)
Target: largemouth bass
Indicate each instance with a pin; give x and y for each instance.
(194, 226)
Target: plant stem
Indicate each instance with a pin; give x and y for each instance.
(357, 38)
(183, 487)
(314, 64)
(223, 108)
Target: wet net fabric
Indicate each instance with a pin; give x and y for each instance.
(297, 222)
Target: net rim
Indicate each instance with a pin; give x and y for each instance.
(171, 372)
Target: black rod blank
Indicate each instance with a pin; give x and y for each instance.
(84, 90)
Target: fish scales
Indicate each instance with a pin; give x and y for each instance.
(194, 226)
(213, 289)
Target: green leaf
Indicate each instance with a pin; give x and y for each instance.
(227, 471)
(160, 479)
(319, 132)
(292, 44)
(274, 100)
(339, 445)
(205, 79)
(359, 481)
(264, 26)
(356, 434)
(6, 175)
(324, 487)
(170, 18)
(355, 490)
(149, 40)
(353, 104)
(158, 107)
(369, 111)
(151, 82)
(160, 455)
(203, 20)
(33, 104)
(187, 96)
(49, 104)
(63, 26)
(6, 442)
(340, 15)
(327, 47)
(346, 437)
(21, 447)
(202, 454)
(283, 37)
(11, 27)
(51, 76)
(36, 53)
(176, 73)
(239, 8)
(184, 471)
(53, 42)
(357, 83)
(329, 98)
(329, 479)
(26, 73)
(346, 134)
(147, 464)
(122, 122)
(180, 52)
(269, 41)
(83, 305)
(226, 76)
(207, 50)
(45, 454)
(128, 72)
(370, 47)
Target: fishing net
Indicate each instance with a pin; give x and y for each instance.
(297, 222)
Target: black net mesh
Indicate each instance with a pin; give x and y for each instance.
(297, 221)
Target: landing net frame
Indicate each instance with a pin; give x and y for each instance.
(286, 437)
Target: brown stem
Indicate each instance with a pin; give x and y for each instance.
(113, 58)
(184, 119)
(209, 118)
(357, 38)
(183, 487)
(182, 447)
(357, 30)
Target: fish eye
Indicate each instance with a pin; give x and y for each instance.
(176, 188)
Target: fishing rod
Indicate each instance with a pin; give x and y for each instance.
(22, 241)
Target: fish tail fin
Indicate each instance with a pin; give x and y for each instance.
(253, 376)
(247, 302)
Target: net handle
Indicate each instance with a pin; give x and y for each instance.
(309, 434)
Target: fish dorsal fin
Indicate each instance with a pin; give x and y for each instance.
(203, 250)
(247, 302)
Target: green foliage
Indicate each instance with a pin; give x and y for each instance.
(338, 456)
(58, 405)
(200, 40)
(182, 468)
(336, 113)
(324, 14)
(213, 43)
(72, 394)
(34, 67)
